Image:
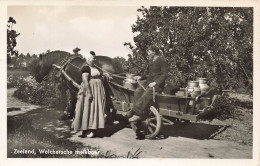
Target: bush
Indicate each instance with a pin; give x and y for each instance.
(13, 82)
(15, 77)
(223, 108)
(45, 93)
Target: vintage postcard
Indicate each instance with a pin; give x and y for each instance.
(133, 81)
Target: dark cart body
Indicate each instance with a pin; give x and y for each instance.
(165, 106)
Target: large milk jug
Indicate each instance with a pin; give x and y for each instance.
(203, 85)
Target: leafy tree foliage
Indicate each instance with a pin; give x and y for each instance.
(211, 42)
(120, 64)
(22, 61)
(11, 39)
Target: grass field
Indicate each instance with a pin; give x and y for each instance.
(22, 135)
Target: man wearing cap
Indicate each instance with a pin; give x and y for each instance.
(154, 76)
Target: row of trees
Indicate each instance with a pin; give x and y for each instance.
(22, 61)
(211, 42)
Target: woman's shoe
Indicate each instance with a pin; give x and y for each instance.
(90, 134)
(83, 134)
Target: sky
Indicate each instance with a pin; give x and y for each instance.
(102, 29)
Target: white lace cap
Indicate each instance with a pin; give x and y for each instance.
(88, 57)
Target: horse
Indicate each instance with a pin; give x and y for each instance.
(72, 65)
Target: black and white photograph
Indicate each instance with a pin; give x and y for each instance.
(93, 80)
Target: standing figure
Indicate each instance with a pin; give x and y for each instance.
(90, 106)
(155, 76)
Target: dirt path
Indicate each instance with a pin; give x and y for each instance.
(13, 102)
(177, 141)
(15, 106)
(176, 146)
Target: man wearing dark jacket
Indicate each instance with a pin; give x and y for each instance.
(155, 76)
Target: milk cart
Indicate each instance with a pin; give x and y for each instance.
(165, 107)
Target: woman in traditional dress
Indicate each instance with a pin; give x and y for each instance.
(90, 106)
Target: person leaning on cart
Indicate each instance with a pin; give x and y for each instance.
(90, 106)
(154, 76)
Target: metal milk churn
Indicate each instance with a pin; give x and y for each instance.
(130, 82)
(193, 88)
(203, 84)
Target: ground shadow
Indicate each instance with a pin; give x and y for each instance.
(42, 129)
(49, 122)
(22, 134)
(41, 118)
(13, 109)
(113, 127)
(192, 130)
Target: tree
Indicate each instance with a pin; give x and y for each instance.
(120, 64)
(34, 56)
(11, 39)
(197, 42)
(21, 56)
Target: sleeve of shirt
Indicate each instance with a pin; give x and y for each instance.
(164, 70)
(85, 69)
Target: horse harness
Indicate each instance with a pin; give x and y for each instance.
(63, 76)
(68, 60)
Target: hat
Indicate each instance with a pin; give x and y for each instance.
(90, 57)
(76, 50)
(92, 53)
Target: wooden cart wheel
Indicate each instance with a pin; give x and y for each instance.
(151, 126)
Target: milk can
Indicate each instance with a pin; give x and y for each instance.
(130, 82)
(203, 84)
(193, 88)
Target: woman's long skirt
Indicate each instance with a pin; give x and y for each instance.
(90, 114)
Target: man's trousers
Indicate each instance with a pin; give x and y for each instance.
(143, 100)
